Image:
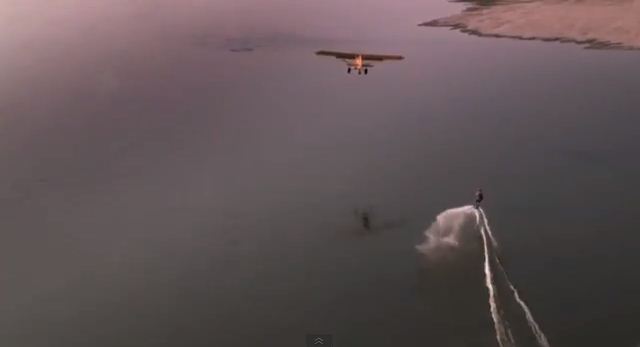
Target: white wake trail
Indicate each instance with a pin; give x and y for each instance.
(498, 323)
(533, 325)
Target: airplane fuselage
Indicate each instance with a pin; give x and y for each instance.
(358, 64)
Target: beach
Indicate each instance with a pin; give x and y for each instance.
(594, 23)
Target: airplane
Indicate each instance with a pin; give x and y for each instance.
(358, 61)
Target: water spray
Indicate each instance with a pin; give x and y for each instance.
(446, 236)
(503, 336)
(533, 325)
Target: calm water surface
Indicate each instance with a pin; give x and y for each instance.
(158, 189)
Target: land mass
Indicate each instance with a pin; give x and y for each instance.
(599, 24)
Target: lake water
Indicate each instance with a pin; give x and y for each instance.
(158, 189)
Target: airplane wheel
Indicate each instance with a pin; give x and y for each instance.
(366, 71)
(359, 72)
(348, 70)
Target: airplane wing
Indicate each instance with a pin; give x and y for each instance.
(370, 57)
(381, 57)
(337, 55)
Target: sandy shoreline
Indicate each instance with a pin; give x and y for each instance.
(598, 24)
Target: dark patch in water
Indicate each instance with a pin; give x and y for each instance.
(241, 50)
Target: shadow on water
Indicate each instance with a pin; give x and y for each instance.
(369, 221)
(376, 226)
